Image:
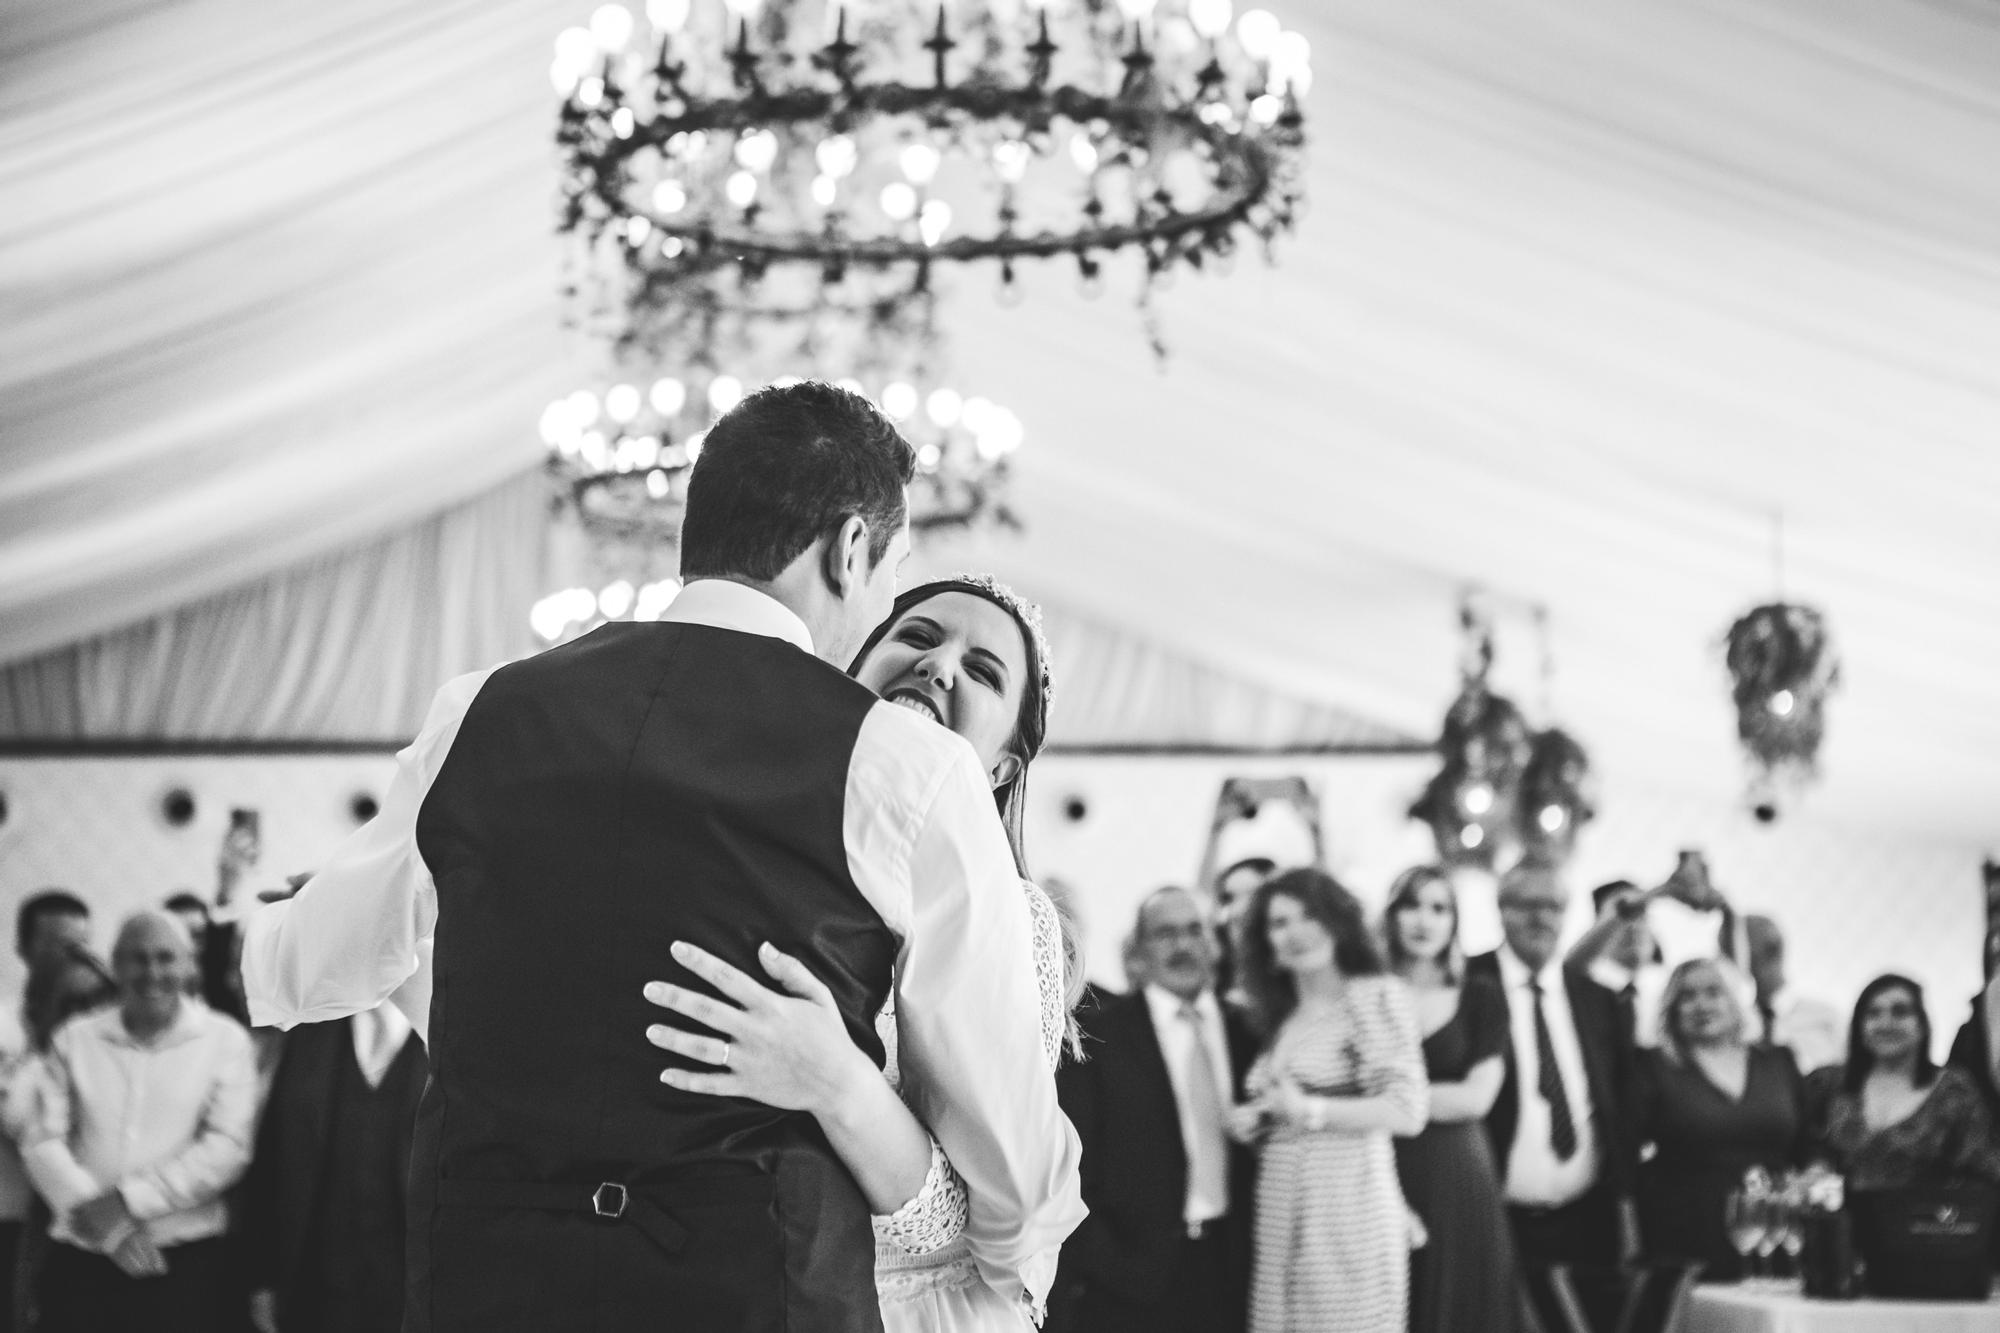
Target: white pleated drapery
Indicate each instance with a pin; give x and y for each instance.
(1587, 296)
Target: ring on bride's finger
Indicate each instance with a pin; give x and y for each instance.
(725, 1055)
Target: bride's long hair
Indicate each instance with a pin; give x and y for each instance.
(1031, 729)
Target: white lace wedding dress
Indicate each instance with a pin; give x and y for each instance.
(923, 1268)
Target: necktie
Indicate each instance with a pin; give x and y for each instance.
(1562, 1128)
(1207, 1152)
(1768, 1016)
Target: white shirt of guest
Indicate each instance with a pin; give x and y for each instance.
(1177, 1038)
(167, 1122)
(925, 848)
(1535, 1175)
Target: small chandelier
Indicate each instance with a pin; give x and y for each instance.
(1504, 791)
(1782, 669)
(882, 138)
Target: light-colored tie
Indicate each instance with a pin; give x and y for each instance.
(1208, 1154)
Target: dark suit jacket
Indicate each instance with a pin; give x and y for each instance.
(282, 1190)
(1607, 1062)
(1134, 1166)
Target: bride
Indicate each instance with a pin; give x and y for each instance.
(970, 654)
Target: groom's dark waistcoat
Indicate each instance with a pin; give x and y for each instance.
(645, 784)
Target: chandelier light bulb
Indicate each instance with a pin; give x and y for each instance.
(611, 25)
(1258, 32)
(1478, 799)
(724, 392)
(1472, 835)
(668, 15)
(899, 201)
(1552, 819)
(595, 449)
(646, 451)
(623, 122)
(742, 189)
(1783, 702)
(929, 456)
(583, 408)
(1266, 110)
(555, 424)
(621, 402)
(637, 229)
(616, 599)
(944, 407)
(934, 220)
(549, 617)
(1210, 17)
(1010, 159)
(672, 246)
(920, 162)
(667, 396)
(899, 400)
(669, 197)
(656, 484)
(562, 77)
(590, 92)
(576, 48)
(757, 150)
(693, 446)
(1083, 152)
(825, 190)
(837, 155)
(1136, 10)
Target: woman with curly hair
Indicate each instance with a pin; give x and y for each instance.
(1341, 1073)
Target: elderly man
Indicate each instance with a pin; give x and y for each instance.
(146, 1119)
(1558, 1135)
(1166, 1246)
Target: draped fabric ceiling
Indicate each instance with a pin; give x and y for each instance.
(1588, 295)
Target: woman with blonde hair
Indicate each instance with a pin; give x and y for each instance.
(1464, 1276)
(1713, 1104)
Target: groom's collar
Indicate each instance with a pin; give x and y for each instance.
(724, 605)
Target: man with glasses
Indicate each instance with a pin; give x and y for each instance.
(1557, 1128)
(1167, 1244)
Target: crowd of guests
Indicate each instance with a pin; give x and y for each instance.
(165, 1168)
(1297, 1120)
(1294, 1119)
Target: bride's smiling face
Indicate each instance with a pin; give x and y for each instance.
(960, 660)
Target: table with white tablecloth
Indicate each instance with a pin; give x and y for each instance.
(1720, 1309)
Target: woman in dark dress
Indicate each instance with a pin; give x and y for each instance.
(1464, 1275)
(1711, 1105)
(1889, 1117)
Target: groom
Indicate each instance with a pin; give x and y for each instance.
(562, 820)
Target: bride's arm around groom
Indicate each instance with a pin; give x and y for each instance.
(969, 1024)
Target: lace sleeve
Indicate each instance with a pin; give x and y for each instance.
(935, 1217)
(1049, 971)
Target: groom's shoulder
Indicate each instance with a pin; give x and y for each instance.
(905, 752)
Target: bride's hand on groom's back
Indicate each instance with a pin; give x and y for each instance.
(786, 1048)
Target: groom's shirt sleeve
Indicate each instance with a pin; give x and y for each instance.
(926, 844)
(352, 936)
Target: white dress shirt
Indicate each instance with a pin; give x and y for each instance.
(167, 1122)
(1177, 1037)
(924, 847)
(1535, 1175)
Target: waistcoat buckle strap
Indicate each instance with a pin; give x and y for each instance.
(609, 1201)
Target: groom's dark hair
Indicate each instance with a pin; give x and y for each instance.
(785, 467)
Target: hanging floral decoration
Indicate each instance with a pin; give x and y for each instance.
(1503, 789)
(1782, 668)
(1557, 796)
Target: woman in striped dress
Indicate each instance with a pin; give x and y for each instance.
(1342, 1072)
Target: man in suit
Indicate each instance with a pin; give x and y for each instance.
(324, 1203)
(1166, 1248)
(1558, 1131)
(713, 778)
